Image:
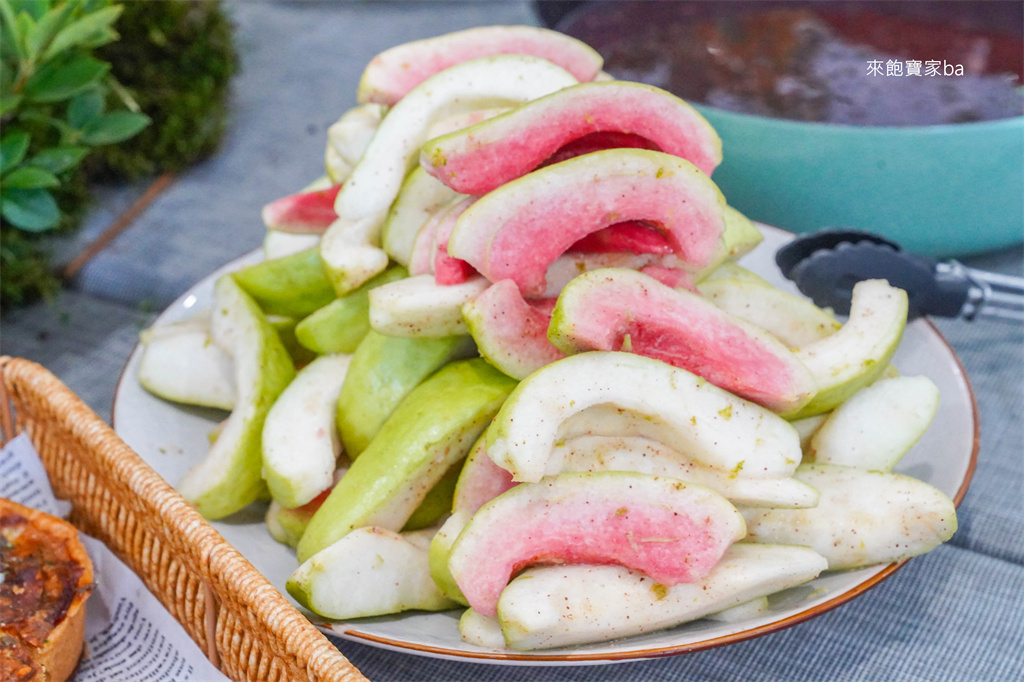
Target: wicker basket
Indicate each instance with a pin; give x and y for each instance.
(238, 619)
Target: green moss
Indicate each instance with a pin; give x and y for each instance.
(175, 59)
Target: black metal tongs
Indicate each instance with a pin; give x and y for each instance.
(826, 264)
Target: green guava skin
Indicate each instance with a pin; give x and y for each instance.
(294, 285)
(384, 370)
(430, 430)
(230, 478)
(340, 326)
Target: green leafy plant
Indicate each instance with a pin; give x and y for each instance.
(53, 101)
(54, 112)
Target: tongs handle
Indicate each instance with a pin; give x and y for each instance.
(991, 294)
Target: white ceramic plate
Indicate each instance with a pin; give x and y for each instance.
(171, 438)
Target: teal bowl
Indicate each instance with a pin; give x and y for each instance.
(943, 190)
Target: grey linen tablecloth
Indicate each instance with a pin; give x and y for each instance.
(954, 614)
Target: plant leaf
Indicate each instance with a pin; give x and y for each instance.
(13, 146)
(86, 30)
(33, 210)
(114, 127)
(8, 27)
(85, 108)
(35, 115)
(24, 27)
(100, 38)
(62, 79)
(9, 102)
(48, 27)
(59, 159)
(29, 177)
(34, 8)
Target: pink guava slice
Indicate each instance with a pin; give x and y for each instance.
(449, 270)
(632, 236)
(303, 212)
(480, 481)
(511, 332)
(519, 229)
(596, 142)
(629, 245)
(423, 253)
(673, 531)
(619, 309)
(393, 73)
(479, 159)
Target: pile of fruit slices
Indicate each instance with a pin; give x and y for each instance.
(533, 380)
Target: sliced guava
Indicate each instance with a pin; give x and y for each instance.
(392, 74)
(340, 325)
(229, 477)
(596, 142)
(300, 439)
(862, 517)
(420, 197)
(741, 235)
(463, 119)
(294, 285)
(303, 212)
(807, 427)
(369, 572)
(877, 425)
(859, 353)
(793, 320)
(647, 456)
(555, 606)
(519, 229)
(480, 481)
(734, 271)
(284, 325)
(619, 309)
(280, 244)
(286, 525)
(674, 406)
(668, 268)
(437, 503)
(419, 307)
(742, 612)
(424, 255)
(448, 270)
(510, 332)
(348, 137)
(669, 529)
(180, 362)
(350, 248)
(441, 551)
(481, 158)
(383, 371)
(429, 431)
(625, 237)
(480, 630)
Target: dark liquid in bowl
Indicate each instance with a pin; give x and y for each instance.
(815, 61)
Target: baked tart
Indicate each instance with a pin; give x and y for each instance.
(45, 579)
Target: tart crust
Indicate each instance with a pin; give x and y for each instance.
(47, 578)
